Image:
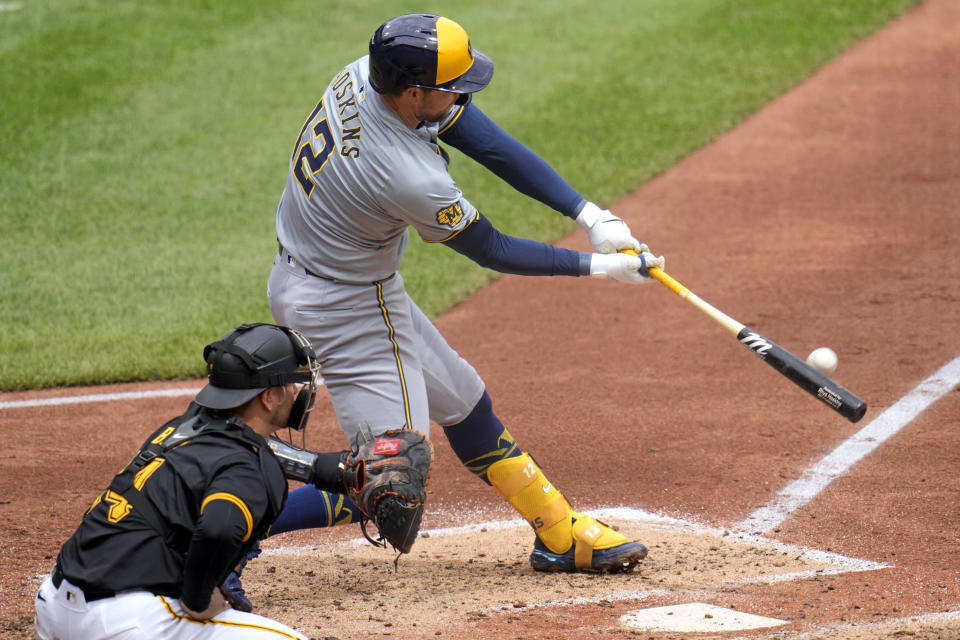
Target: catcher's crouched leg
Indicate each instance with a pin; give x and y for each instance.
(566, 540)
(387, 478)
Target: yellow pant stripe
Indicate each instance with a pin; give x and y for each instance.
(226, 623)
(229, 497)
(396, 355)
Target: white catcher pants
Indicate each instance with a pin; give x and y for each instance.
(64, 614)
(384, 364)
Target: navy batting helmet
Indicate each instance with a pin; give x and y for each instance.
(254, 357)
(429, 51)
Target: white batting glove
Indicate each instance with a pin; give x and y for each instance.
(624, 267)
(607, 232)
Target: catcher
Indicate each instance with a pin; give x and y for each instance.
(150, 552)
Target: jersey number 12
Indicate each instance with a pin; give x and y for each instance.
(311, 153)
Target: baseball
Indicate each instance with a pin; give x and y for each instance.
(823, 360)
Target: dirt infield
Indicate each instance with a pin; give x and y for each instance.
(829, 218)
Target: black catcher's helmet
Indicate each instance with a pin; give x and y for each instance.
(429, 51)
(252, 358)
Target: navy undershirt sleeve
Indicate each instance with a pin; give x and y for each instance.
(480, 138)
(485, 245)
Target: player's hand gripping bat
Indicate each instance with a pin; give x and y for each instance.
(829, 392)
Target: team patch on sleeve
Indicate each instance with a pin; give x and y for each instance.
(450, 216)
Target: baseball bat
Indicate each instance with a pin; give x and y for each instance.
(820, 386)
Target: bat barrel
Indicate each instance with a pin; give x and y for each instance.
(820, 386)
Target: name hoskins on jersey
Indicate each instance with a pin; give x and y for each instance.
(350, 126)
(359, 178)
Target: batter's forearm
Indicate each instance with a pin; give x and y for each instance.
(485, 245)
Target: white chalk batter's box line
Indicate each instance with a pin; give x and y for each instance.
(838, 562)
(87, 398)
(99, 397)
(890, 623)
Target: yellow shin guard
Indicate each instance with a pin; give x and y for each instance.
(521, 481)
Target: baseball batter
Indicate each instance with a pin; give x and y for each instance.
(367, 166)
(149, 554)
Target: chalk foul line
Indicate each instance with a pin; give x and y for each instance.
(98, 397)
(816, 478)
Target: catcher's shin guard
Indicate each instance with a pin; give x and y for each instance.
(558, 527)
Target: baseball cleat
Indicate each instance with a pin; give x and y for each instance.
(233, 592)
(594, 547)
(619, 559)
(232, 588)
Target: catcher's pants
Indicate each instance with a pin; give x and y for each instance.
(384, 364)
(64, 614)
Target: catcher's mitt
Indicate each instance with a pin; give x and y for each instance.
(386, 476)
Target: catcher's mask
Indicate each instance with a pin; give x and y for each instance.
(254, 357)
(429, 51)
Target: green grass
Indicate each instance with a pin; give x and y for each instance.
(143, 146)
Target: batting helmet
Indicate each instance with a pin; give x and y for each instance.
(254, 357)
(429, 51)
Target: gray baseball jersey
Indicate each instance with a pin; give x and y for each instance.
(359, 178)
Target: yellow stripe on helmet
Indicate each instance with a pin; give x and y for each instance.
(454, 54)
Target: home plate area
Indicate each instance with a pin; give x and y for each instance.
(456, 576)
(695, 617)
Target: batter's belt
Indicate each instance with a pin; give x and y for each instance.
(291, 260)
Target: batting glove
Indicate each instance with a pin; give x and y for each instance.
(624, 267)
(607, 232)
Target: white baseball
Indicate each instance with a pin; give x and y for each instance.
(823, 360)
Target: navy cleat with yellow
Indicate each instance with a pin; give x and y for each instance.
(620, 558)
(566, 540)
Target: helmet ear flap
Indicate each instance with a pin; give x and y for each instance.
(300, 411)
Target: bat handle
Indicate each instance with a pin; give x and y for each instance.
(718, 316)
(663, 277)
